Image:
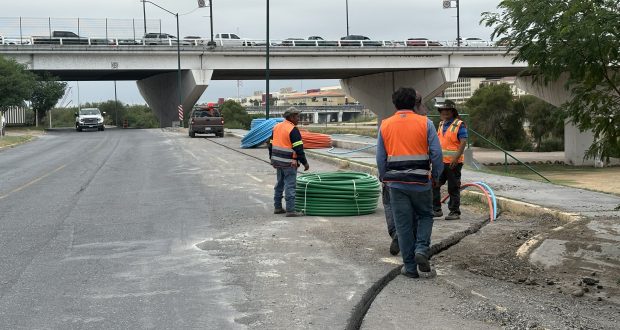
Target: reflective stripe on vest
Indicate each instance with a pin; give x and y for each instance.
(450, 143)
(282, 153)
(405, 136)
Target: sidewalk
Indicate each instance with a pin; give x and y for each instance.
(584, 246)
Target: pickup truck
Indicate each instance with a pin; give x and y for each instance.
(89, 118)
(206, 120)
(69, 38)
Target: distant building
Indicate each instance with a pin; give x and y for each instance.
(328, 96)
(463, 89)
(510, 81)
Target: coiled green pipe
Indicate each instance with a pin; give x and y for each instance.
(337, 193)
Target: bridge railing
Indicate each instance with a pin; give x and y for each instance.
(306, 108)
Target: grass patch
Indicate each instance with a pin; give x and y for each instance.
(41, 128)
(6, 141)
(343, 130)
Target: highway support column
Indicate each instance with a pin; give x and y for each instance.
(161, 92)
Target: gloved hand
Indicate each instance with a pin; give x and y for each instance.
(306, 167)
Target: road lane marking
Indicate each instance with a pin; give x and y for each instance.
(222, 160)
(30, 183)
(255, 178)
(191, 154)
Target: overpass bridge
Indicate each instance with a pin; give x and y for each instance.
(368, 74)
(314, 114)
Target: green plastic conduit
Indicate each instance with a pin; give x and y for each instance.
(337, 194)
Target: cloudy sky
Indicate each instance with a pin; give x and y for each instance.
(377, 19)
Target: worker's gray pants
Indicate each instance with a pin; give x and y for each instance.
(287, 179)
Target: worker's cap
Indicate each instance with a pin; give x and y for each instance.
(291, 111)
(448, 105)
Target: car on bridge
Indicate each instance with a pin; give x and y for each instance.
(152, 39)
(89, 118)
(422, 42)
(69, 38)
(206, 119)
(231, 39)
(359, 41)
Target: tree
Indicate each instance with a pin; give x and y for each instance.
(47, 92)
(546, 122)
(576, 38)
(494, 115)
(235, 115)
(16, 84)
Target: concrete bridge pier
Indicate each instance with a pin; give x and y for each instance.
(375, 91)
(315, 118)
(161, 92)
(576, 143)
(340, 116)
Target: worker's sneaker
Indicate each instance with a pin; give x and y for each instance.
(279, 211)
(423, 265)
(294, 214)
(453, 216)
(394, 248)
(437, 214)
(404, 272)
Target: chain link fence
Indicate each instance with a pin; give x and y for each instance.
(23, 28)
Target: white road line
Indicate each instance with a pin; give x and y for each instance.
(222, 160)
(255, 178)
(191, 154)
(478, 294)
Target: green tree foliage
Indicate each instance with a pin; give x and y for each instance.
(577, 38)
(235, 115)
(16, 84)
(137, 116)
(47, 91)
(546, 123)
(494, 115)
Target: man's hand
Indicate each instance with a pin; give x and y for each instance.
(454, 163)
(306, 167)
(435, 183)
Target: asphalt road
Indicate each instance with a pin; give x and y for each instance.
(100, 230)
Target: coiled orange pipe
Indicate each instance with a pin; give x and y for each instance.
(486, 193)
(315, 140)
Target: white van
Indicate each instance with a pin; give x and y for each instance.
(230, 39)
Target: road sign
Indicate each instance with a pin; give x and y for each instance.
(180, 112)
(201, 4)
(447, 4)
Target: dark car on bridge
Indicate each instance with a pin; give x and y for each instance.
(359, 41)
(422, 42)
(206, 119)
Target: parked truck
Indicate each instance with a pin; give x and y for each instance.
(68, 38)
(206, 119)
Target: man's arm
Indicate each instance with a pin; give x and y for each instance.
(462, 136)
(298, 146)
(269, 145)
(381, 156)
(434, 148)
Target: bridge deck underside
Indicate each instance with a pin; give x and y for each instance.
(291, 74)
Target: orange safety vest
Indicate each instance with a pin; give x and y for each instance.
(450, 141)
(405, 136)
(282, 153)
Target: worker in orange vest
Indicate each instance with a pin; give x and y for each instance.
(409, 160)
(453, 135)
(286, 151)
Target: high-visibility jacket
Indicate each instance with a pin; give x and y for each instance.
(450, 141)
(282, 153)
(405, 136)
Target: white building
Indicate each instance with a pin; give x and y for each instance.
(463, 89)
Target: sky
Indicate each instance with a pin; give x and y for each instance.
(377, 19)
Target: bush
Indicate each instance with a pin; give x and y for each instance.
(235, 115)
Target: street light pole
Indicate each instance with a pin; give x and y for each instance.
(458, 24)
(267, 68)
(347, 4)
(212, 43)
(144, 15)
(176, 15)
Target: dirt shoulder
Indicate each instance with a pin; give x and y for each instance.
(579, 259)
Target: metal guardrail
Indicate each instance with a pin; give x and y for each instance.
(302, 108)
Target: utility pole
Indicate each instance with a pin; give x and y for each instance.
(212, 43)
(347, 5)
(458, 24)
(115, 106)
(144, 15)
(267, 68)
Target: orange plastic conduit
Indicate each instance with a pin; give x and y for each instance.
(486, 193)
(315, 140)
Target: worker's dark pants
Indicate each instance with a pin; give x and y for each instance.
(287, 180)
(389, 216)
(453, 177)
